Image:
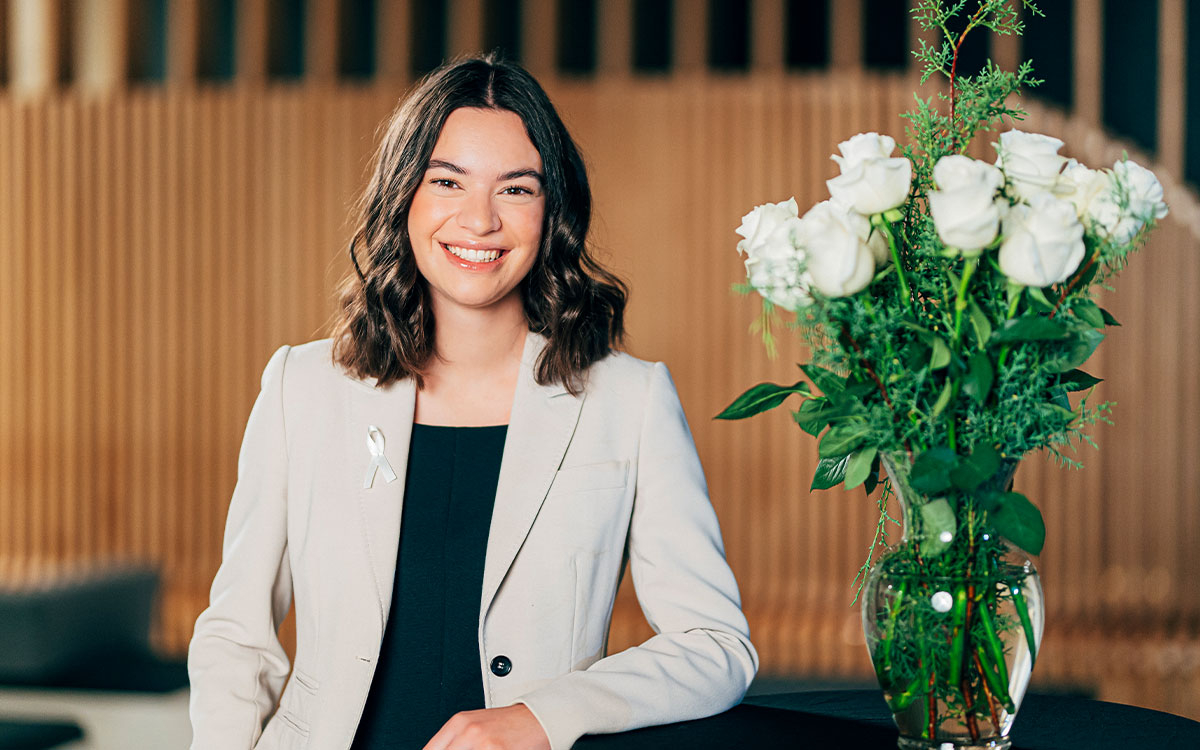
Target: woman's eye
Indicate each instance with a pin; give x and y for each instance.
(443, 182)
(517, 190)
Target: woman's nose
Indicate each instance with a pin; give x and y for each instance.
(478, 216)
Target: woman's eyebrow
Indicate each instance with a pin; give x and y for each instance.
(435, 163)
(518, 173)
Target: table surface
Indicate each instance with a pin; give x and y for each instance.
(860, 719)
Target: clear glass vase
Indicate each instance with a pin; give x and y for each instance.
(952, 624)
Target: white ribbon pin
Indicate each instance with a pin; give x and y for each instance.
(378, 460)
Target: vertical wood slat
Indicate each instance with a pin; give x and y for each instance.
(1172, 83)
(846, 35)
(464, 32)
(10, 327)
(539, 37)
(183, 40)
(321, 45)
(194, 232)
(102, 47)
(767, 29)
(34, 29)
(394, 39)
(1089, 59)
(614, 47)
(251, 39)
(690, 23)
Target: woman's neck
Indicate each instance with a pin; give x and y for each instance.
(472, 378)
(474, 342)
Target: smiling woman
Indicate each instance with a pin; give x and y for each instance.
(451, 485)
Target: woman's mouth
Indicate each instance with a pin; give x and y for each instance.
(473, 256)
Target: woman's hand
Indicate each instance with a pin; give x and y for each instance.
(508, 728)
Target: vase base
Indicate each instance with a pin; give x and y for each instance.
(997, 743)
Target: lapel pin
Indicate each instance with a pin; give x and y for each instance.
(378, 460)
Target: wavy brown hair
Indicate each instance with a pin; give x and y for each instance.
(385, 324)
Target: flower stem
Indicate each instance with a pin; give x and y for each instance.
(1013, 301)
(987, 691)
(886, 227)
(1070, 287)
(975, 19)
(1026, 624)
(960, 302)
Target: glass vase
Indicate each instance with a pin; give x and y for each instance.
(952, 624)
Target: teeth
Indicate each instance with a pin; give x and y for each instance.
(475, 256)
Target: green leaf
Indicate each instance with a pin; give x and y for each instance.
(842, 439)
(930, 472)
(872, 478)
(1058, 397)
(943, 399)
(830, 472)
(940, 357)
(1088, 312)
(858, 468)
(762, 397)
(1038, 300)
(1019, 521)
(830, 383)
(980, 322)
(1077, 380)
(1109, 320)
(975, 469)
(1076, 350)
(938, 526)
(1029, 328)
(978, 381)
(813, 415)
(914, 356)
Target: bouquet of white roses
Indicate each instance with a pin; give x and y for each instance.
(948, 304)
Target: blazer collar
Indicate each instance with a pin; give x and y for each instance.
(540, 428)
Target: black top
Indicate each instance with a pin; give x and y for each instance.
(429, 663)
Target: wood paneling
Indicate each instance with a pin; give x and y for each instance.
(158, 245)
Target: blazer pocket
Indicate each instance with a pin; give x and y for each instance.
(607, 475)
(282, 733)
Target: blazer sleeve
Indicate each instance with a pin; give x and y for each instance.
(236, 664)
(701, 661)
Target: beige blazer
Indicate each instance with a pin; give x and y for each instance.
(585, 484)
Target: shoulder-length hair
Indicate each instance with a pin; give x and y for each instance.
(385, 325)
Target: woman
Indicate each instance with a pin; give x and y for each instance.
(450, 486)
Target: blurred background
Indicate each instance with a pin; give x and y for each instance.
(176, 178)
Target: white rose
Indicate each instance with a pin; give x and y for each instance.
(1030, 161)
(773, 264)
(871, 182)
(965, 211)
(838, 260)
(862, 147)
(1131, 197)
(1080, 185)
(1043, 242)
(875, 240)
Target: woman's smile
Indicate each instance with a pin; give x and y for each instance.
(474, 259)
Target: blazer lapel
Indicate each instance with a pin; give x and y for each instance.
(390, 410)
(540, 428)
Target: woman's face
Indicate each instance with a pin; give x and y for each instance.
(475, 224)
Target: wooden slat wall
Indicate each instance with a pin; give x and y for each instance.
(157, 245)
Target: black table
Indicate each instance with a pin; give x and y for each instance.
(860, 720)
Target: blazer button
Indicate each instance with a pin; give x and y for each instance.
(501, 666)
